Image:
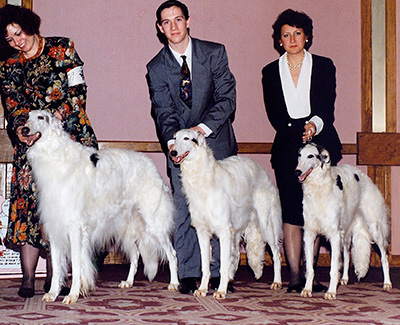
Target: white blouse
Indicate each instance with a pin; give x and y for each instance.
(297, 99)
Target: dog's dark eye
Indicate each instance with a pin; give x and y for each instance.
(186, 138)
(310, 156)
(40, 117)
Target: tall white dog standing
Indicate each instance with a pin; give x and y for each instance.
(88, 199)
(344, 205)
(229, 198)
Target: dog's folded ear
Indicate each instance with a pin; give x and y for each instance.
(201, 139)
(53, 121)
(325, 158)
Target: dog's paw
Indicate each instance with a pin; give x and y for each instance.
(276, 286)
(200, 293)
(125, 284)
(344, 282)
(48, 297)
(172, 287)
(387, 287)
(306, 293)
(330, 296)
(219, 295)
(70, 299)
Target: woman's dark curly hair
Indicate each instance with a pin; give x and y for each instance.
(294, 19)
(26, 18)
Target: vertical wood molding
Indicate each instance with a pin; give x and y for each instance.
(391, 80)
(27, 4)
(390, 31)
(366, 66)
(381, 175)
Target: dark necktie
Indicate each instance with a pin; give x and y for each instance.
(186, 85)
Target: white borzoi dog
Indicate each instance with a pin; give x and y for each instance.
(229, 198)
(89, 199)
(344, 205)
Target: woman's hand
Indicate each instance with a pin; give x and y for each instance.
(309, 131)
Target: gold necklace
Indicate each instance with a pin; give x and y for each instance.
(294, 67)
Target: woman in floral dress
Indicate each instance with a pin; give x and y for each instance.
(46, 74)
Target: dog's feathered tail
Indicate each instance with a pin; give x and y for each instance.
(361, 248)
(372, 226)
(255, 249)
(151, 255)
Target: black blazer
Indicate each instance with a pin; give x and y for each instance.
(213, 95)
(289, 132)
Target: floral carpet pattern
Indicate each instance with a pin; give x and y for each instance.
(251, 303)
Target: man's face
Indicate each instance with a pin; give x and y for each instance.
(174, 25)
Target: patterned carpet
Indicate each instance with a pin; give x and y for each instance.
(252, 303)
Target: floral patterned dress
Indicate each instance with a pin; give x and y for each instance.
(41, 82)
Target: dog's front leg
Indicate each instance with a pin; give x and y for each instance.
(309, 239)
(205, 252)
(225, 252)
(58, 274)
(76, 245)
(335, 263)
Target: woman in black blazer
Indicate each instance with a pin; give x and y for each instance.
(299, 95)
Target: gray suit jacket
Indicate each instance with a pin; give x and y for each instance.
(213, 95)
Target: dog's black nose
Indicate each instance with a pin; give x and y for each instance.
(25, 131)
(298, 172)
(174, 153)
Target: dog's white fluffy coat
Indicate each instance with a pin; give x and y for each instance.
(344, 205)
(229, 198)
(89, 199)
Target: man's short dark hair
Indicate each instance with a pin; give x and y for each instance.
(169, 4)
(165, 5)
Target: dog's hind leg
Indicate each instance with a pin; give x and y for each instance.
(173, 264)
(131, 250)
(346, 259)
(270, 224)
(235, 256)
(276, 256)
(88, 270)
(255, 249)
(381, 242)
(273, 236)
(205, 252)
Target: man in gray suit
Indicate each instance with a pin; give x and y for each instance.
(210, 110)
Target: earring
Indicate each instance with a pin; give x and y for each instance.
(280, 45)
(306, 40)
